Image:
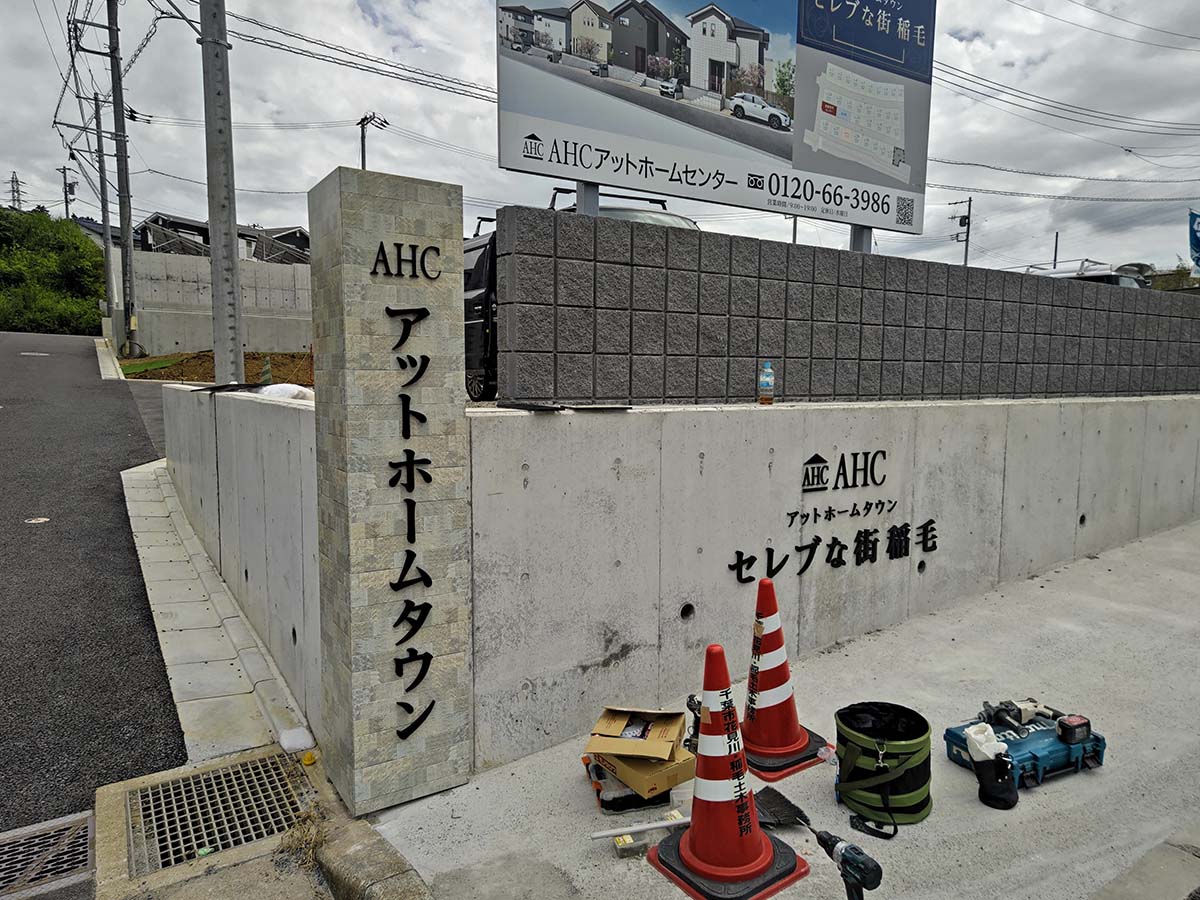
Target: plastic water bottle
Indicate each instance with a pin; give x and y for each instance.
(766, 384)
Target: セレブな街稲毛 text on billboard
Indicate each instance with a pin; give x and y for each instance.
(815, 108)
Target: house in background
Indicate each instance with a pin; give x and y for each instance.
(95, 231)
(516, 25)
(552, 28)
(721, 43)
(591, 23)
(162, 233)
(641, 30)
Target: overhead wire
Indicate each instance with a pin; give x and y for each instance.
(1122, 37)
(1016, 171)
(990, 83)
(1088, 6)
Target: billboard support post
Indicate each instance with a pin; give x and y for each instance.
(587, 198)
(862, 238)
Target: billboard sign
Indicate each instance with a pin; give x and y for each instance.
(1194, 241)
(816, 108)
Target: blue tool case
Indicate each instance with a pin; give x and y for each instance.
(1037, 757)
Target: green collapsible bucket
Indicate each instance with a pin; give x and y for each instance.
(884, 772)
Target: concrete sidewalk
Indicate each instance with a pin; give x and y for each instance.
(1115, 637)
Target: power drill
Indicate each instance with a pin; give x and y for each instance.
(858, 870)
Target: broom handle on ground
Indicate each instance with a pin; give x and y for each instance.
(639, 829)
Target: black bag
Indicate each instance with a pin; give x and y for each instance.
(885, 772)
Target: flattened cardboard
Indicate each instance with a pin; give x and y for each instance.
(666, 730)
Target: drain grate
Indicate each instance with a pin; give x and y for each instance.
(40, 855)
(189, 818)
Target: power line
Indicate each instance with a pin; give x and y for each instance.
(350, 64)
(1067, 197)
(396, 70)
(240, 190)
(974, 87)
(361, 54)
(1111, 34)
(1100, 12)
(1124, 180)
(46, 35)
(955, 71)
(181, 122)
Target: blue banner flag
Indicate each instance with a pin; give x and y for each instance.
(891, 35)
(1194, 233)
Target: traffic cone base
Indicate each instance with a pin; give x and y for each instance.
(785, 869)
(771, 767)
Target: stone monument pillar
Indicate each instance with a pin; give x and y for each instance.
(393, 486)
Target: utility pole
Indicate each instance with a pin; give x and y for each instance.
(14, 191)
(371, 118)
(68, 189)
(228, 359)
(1056, 249)
(795, 222)
(964, 222)
(125, 322)
(102, 168)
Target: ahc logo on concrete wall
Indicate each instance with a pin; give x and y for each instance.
(854, 470)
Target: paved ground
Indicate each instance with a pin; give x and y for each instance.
(1116, 638)
(86, 698)
(148, 396)
(750, 133)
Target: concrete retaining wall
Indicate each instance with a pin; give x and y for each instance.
(174, 304)
(603, 541)
(601, 310)
(245, 471)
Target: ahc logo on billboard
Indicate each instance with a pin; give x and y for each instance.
(533, 148)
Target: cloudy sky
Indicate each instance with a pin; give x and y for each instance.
(996, 39)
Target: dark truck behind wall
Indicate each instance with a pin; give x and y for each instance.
(480, 304)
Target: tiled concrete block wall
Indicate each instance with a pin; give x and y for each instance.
(601, 310)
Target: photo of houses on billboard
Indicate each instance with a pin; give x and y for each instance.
(769, 104)
(706, 57)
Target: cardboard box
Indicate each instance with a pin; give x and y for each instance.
(651, 777)
(641, 747)
(638, 733)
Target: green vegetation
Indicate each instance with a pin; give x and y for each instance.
(51, 275)
(137, 367)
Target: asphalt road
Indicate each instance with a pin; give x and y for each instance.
(85, 695)
(753, 134)
(148, 396)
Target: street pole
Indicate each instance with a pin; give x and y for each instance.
(862, 238)
(66, 197)
(795, 222)
(125, 322)
(371, 118)
(1056, 249)
(101, 167)
(228, 360)
(967, 246)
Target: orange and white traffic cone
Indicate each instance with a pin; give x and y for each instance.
(777, 745)
(724, 854)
